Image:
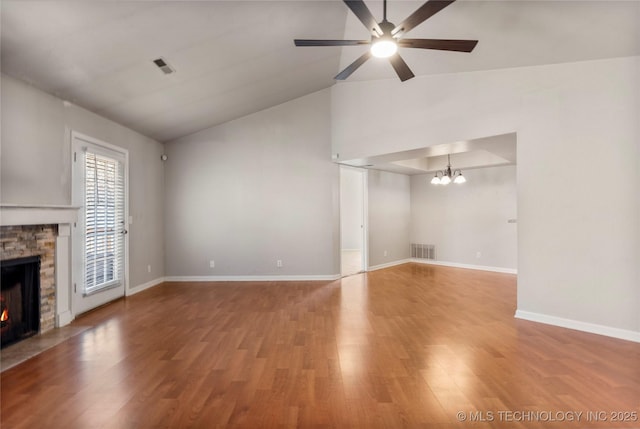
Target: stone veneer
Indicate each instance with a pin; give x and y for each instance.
(32, 240)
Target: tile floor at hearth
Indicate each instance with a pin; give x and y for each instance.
(15, 354)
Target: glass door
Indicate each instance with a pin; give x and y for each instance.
(100, 234)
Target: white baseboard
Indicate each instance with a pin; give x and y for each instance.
(592, 328)
(467, 266)
(292, 278)
(389, 264)
(144, 286)
(64, 318)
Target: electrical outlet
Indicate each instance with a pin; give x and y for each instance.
(148, 268)
(478, 255)
(279, 263)
(385, 253)
(212, 264)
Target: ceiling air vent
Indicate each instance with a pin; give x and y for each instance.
(164, 66)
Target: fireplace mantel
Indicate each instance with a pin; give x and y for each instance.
(25, 214)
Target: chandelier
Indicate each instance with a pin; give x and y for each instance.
(444, 177)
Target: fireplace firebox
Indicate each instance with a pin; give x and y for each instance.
(19, 299)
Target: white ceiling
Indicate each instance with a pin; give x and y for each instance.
(231, 58)
(477, 153)
(511, 33)
(237, 57)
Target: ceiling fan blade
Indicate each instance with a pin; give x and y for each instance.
(364, 15)
(439, 44)
(353, 66)
(401, 68)
(313, 42)
(427, 10)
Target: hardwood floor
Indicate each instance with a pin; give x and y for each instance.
(410, 346)
(351, 262)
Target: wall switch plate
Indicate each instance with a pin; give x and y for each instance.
(279, 263)
(212, 264)
(385, 253)
(478, 254)
(130, 220)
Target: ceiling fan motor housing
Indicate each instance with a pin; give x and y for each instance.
(386, 28)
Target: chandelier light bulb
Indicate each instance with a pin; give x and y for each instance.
(445, 180)
(459, 179)
(435, 180)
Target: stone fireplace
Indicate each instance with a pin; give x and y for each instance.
(43, 233)
(21, 241)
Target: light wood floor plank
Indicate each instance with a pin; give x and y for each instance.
(409, 346)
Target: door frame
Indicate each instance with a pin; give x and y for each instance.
(365, 216)
(78, 141)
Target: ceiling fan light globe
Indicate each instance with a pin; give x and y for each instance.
(383, 48)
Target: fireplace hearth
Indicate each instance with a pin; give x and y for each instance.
(19, 299)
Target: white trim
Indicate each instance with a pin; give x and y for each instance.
(64, 318)
(79, 136)
(144, 286)
(389, 264)
(365, 220)
(251, 278)
(467, 266)
(16, 214)
(623, 334)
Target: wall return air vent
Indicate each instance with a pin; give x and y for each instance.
(423, 251)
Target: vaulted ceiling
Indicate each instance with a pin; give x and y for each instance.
(233, 58)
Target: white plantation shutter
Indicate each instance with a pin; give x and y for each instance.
(104, 222)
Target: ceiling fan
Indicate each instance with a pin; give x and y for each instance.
(386, 37)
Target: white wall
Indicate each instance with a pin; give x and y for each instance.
(251, 191)
(462, 220)
(578, 235)
(351, 208)
(36, 166)
(389, 216)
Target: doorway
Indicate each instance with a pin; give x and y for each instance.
(100, 257)
(352, 220)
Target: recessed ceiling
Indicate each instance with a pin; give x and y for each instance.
(233, 58)
(482, 152)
